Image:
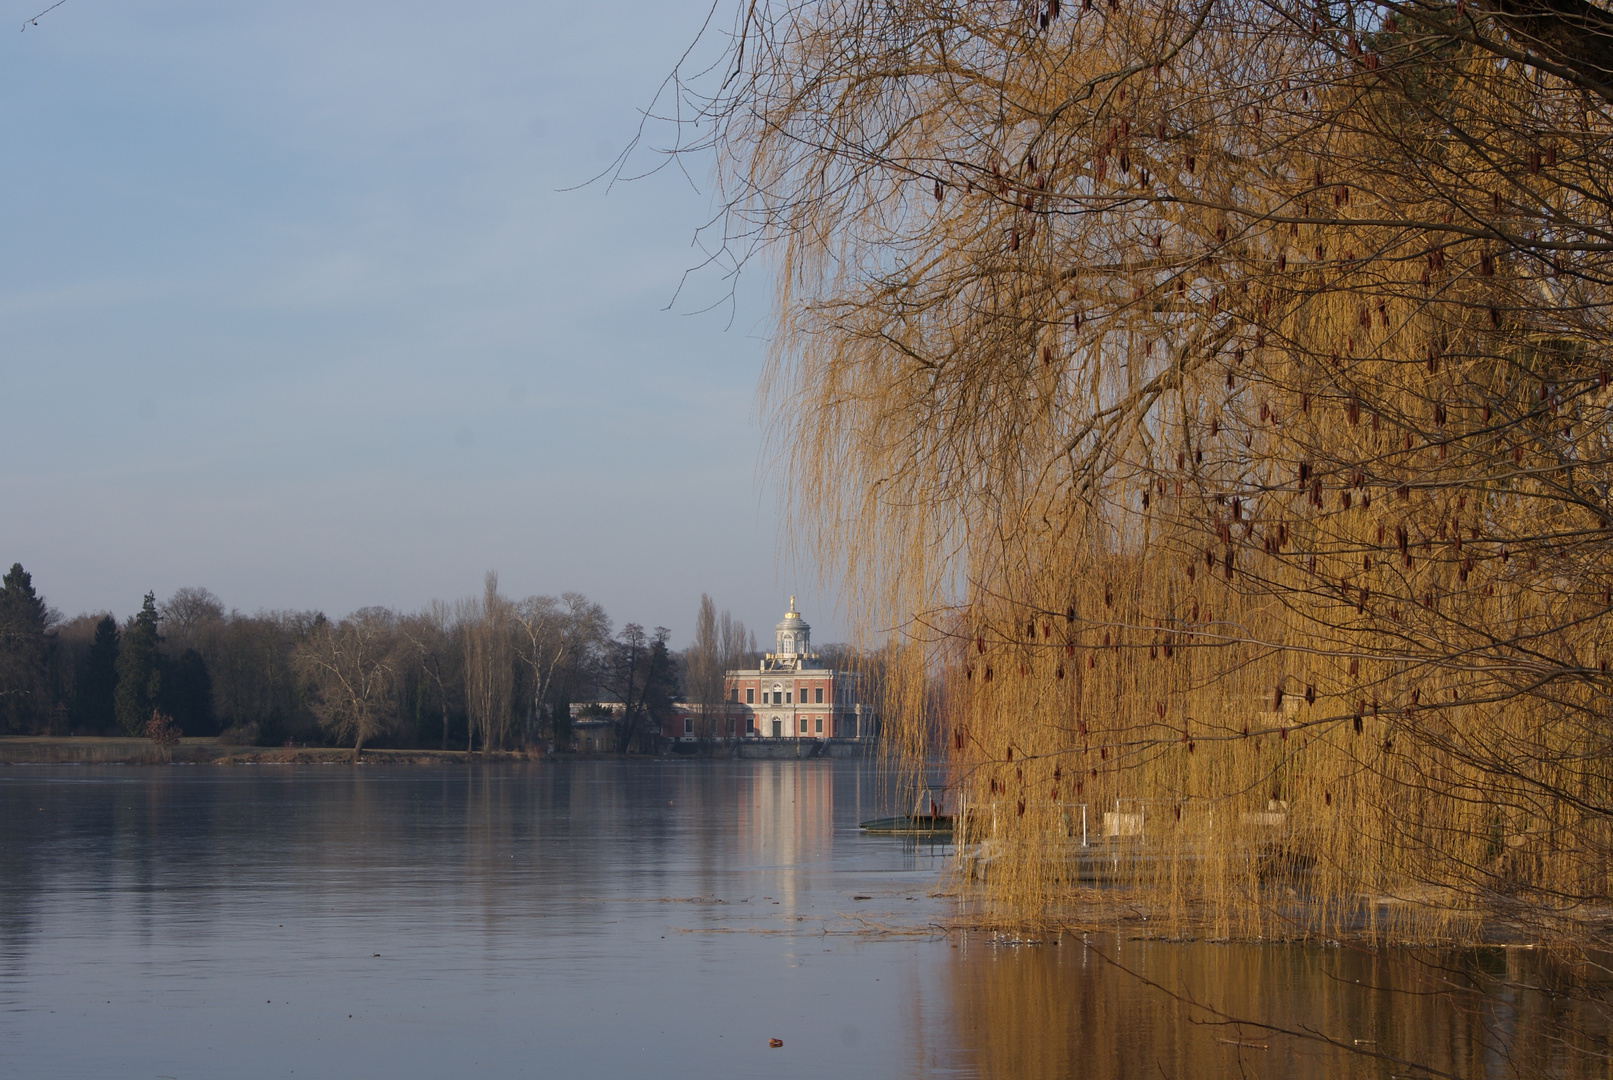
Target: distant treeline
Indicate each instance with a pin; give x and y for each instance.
(480, 673)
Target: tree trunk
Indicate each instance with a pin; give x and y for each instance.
(629, 722)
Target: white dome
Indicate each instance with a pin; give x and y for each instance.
(793, 633)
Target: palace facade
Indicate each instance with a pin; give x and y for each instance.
(792, 695)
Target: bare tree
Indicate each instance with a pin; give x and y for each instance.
(721, 644)
(190, 617)
(430, 635)
(556, 639)
(352, 667)
(256, 683)
(733, 642)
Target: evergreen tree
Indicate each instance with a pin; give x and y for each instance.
(661, 683)
(560, 719)
(23, 621)
(96, 681)
(638, 671)
(139, 669)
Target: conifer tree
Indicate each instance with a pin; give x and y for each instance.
(94, 700)
(139, 668)
(23, 621)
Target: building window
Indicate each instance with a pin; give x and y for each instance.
(803, 725)
(688, 725)
(778, 698)
(819, 700)
(820, 725)
(734, 696)
(786, 697)
(750, 725)
(750, 695)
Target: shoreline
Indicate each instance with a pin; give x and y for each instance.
(119, 750)
(208, 750)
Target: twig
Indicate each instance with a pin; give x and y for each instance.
(35, 20)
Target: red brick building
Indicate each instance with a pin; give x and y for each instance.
(791, 695)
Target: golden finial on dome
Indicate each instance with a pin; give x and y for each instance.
(792, 610)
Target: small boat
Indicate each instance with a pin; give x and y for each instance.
(909, 825)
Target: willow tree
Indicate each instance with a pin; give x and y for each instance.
(1215, 393)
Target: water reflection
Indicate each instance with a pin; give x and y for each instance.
(600, 919)
(1102, 1007)
(606, 918)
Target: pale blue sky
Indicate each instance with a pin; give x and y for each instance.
(292, 308)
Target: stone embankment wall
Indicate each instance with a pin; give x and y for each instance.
(793, 749)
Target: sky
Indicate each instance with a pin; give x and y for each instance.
(295, 305)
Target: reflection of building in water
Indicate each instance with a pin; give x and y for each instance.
(792, 695)
(786, 815)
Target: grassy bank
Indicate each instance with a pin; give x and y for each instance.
(86, 750)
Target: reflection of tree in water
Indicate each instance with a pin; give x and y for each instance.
(1132, 1009)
